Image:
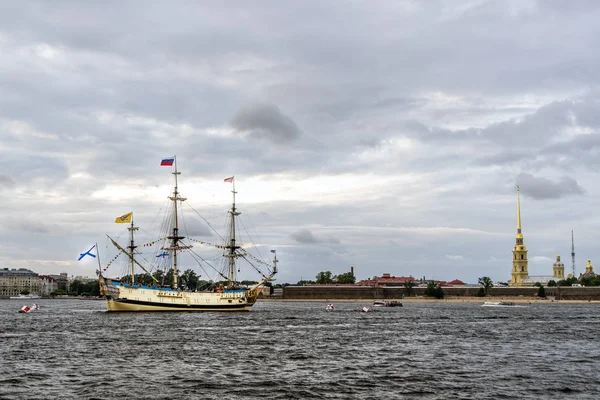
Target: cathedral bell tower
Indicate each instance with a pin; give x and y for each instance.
(519, 265)
(558, 269)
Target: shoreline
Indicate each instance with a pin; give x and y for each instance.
(520, 300)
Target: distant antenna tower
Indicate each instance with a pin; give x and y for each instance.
(573, 253)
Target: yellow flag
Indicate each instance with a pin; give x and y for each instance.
(124, 219)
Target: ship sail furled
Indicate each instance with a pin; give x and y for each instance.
(154, 295)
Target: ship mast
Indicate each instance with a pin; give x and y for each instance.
(132, 248)
(232, 245)
(174, 237)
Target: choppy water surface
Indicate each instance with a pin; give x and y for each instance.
(72, 349)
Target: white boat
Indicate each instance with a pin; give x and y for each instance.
(153, 295)
(25, 297)
(499, 304)
(26, 309)
(387, 303)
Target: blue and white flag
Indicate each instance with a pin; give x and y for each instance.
(87, 253)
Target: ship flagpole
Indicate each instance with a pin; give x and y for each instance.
(98, 254)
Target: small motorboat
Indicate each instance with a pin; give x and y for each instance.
(499, 304)
(330, 307)
(26, 309)
(381, 303)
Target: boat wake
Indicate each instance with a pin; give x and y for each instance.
(501, 304)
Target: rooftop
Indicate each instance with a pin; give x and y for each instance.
(17, 272)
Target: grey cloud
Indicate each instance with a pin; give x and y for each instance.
(29, 225)
(536, 128)
(47, 171)
(194, 227)
(534, 141)
(468, 103)
(542, 188)
(582, 147)
(305, 236)
(332, 240)
(6, 181)
(420, 131)
(504, 158)
(265, 121)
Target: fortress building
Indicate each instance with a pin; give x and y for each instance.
(559, 269)
(589, 271)
(519, 267)
(558, 274)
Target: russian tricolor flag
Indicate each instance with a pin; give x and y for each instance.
(167, 162)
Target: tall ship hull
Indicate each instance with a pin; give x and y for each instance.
(124, 297)
(162, 289)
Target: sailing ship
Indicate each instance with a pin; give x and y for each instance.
(127, 295)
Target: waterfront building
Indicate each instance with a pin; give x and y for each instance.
(520, 272)
(82, 279)
(48, 285)
(16, 281)
(62, 281)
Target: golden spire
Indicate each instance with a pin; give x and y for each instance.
(519, 234)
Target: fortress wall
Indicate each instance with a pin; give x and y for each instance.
(369, 292)
(574, 293)
(362, 292)
(563, 292)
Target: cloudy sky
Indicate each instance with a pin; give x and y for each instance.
(384, 135)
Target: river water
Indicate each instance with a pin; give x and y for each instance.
(72, 349)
